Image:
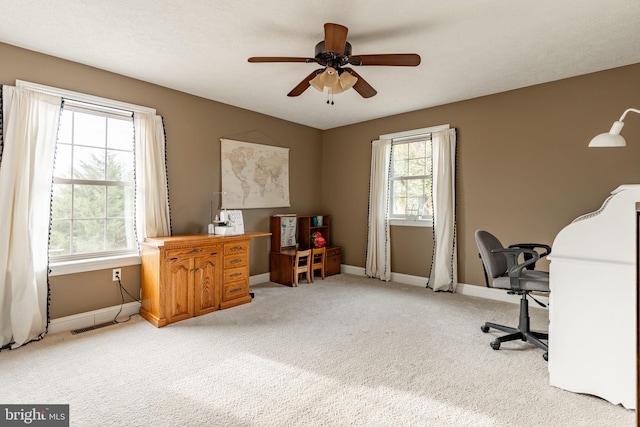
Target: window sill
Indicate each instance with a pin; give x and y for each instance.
(81, 266)
(411, 223)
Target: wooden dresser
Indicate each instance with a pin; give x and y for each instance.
(187, 276)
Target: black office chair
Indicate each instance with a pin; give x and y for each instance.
(520, 278)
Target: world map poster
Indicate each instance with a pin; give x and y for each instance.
(254, 175)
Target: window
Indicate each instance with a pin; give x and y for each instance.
(411, 179)
(93, 211)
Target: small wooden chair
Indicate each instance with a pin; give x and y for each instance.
(317, 261)
(302, 264)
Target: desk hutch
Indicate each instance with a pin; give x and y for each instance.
(282, 258)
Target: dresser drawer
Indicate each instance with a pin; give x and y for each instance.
(235, 261)
(334, 251)
(236, 274)
(233, 290)
(191, 252)
(236, 248)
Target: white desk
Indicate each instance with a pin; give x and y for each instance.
(592, 304)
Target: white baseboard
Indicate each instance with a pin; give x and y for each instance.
(91, 318)
(462, 288)
(103, 315)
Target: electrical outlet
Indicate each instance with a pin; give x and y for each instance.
(116, 274)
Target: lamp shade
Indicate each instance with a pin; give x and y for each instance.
(610, 139)
(613, 138)
(336, 83)
(329, 78)
(347, 80)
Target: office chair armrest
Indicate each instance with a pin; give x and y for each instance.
(547, 248)
(547, 251)
(514, 268)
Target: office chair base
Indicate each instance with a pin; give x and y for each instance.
(522, 332)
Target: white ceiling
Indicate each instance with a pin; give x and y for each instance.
(469, 48)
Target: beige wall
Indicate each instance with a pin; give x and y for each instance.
(524, 170)
(194, 127)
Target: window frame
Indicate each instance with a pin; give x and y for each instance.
(404, 137)
(104, 182)
(57, 268)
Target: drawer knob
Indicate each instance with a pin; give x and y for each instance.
(195, 251)
(235, 261)
(236, 274)
(235, 290)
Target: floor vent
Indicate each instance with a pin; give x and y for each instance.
(91, 328)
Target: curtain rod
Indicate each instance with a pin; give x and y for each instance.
(398, 135)
(83, 97)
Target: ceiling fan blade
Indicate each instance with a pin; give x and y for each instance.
(362, 87)
(280, 59)
(335, 37)
(393, 59)
(304, 84)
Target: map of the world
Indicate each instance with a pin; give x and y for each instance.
(254, 175)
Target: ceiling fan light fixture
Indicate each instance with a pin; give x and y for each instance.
(330, 79)
(347, 80)
(323, 79)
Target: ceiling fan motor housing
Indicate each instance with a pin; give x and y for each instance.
(331, 58)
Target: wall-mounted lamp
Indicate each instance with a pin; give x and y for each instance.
(613, 137)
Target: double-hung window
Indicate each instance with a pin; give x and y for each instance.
(97, 216)
(93, 210)
(411, 177)
(411, 180)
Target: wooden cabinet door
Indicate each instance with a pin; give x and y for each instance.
(179, 287)
(208, 278)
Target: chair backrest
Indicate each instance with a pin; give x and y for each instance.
(302, 264)
(318, 255)
(494, 264)
(302, 259)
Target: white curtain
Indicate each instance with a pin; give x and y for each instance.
(26, 175)
(444, 264)
(378, 262)
(152, 197)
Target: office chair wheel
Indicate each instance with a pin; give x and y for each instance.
(495, 345)
(545, 356)
(484, 328)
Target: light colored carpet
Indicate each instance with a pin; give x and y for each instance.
(346, 351)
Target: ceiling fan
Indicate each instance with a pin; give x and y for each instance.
(334, 53)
